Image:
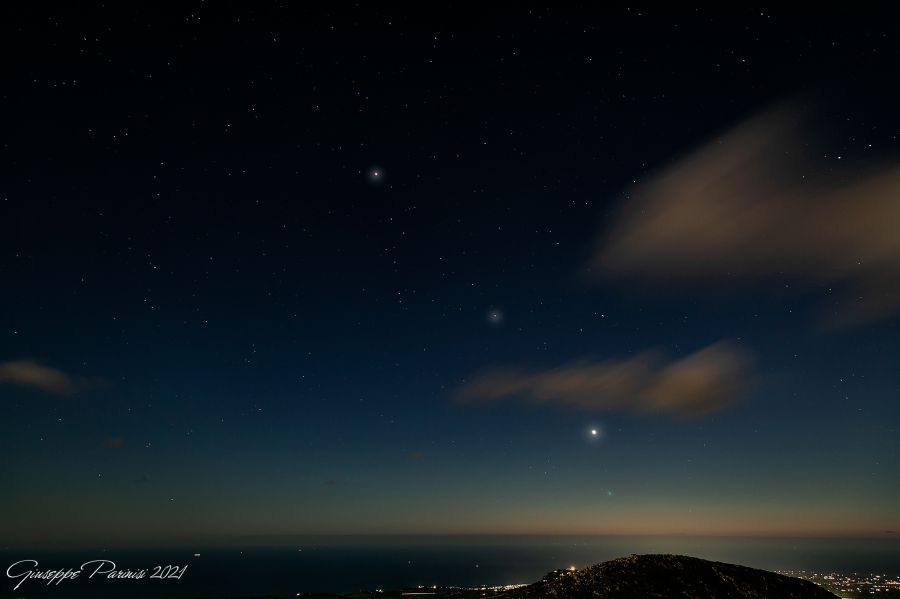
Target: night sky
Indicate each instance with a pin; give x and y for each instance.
(280, 271)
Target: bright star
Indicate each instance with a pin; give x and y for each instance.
(376, 175)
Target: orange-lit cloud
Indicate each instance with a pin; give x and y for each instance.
(698, 384)
(27, 373)
(116, 442)
(751, 204)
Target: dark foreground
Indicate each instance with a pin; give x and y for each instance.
(670, 576)
(634, 577)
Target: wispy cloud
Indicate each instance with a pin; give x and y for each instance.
(27, 373)
(116, 442)
(753, 204)
(695, 385)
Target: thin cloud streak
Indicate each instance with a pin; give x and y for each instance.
(701, 383)
(27, 373)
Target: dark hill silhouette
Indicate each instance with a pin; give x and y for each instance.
(668, 576)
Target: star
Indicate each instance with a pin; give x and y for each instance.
(375, 175)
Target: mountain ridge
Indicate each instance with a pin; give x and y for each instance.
(664, 576)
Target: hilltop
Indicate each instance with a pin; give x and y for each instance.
(665, 576)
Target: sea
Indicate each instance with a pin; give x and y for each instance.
(349, 564)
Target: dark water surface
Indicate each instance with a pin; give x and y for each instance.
(343, 565)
